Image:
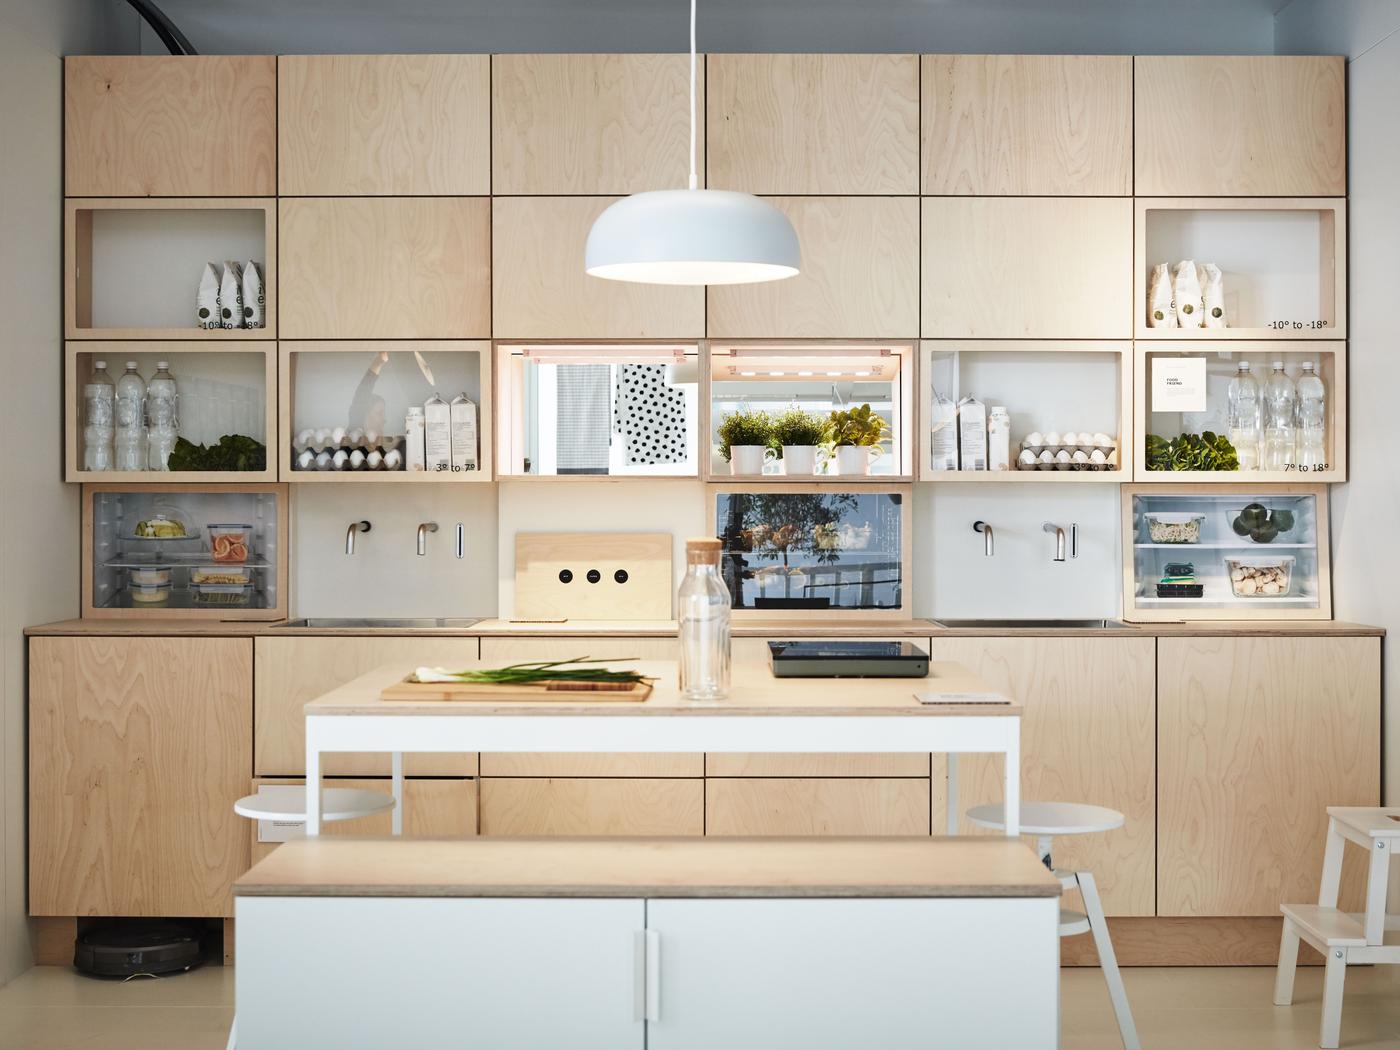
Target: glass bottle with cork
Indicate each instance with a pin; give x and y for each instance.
(703, 610)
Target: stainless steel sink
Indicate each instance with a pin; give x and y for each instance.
(1075, 625)
(383, 623)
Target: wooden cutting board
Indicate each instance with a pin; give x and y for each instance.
(592, 692)
(632, 572)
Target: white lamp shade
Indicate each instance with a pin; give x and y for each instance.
(692, 237)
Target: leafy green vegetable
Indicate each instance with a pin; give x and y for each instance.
(1207, 451)
(230, 452)
(858, 426)
(553, 671)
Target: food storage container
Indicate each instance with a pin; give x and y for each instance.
(229, 543)
(226, 574)
(1260, 577)
(164, 526)
(1174, 528)
(150, 577)
(153, 595)
(223, 594)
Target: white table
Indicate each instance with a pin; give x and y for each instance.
(762, 713)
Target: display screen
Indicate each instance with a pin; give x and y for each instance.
(812, 550)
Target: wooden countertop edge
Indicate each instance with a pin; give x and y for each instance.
(651, 867)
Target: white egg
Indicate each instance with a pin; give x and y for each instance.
(323, 460)
(357, 460)
(374, 460)
(1069, 437)
(1026, 456)
(1047, 456)
(1097, 457)
(1103, 441)
(1035, 438)
(1052, 437)
(306, 460)
(338, 436)
(340, 460)
(1080, 456)
(1062, 456)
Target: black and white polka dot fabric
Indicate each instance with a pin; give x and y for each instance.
(650, 416)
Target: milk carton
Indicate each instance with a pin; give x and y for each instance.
(437, 435)
(972, 434)
(463, 433)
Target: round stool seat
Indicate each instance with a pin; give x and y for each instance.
(1050, 818)
(336, 804)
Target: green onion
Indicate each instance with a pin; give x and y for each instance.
(553, 671)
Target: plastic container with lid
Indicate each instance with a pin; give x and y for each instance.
(1260, 576)
(229, 543)
(220, 575)
(1174, 528)
(150, 577)
(151, 595)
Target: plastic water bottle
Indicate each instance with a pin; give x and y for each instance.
(161, 410)
(99, 417)
(703, 611)
(130, 441)
(1280, 420)
(1312, 420)
(1245, 417)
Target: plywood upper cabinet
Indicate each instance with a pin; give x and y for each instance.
(539, 289)
(383, 124)
(1261, 126)
(385, 268)
(167, 126)
(1058, 125)
(859, 279)
(1027, 268)
(838, 124)
(138, 749)
(599, 124)
(1256, 737)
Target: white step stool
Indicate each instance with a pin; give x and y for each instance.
(1344, 938)
(1046, 820)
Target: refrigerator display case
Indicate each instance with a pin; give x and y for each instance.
(1199, 553)
(215, 552)
(815, 554)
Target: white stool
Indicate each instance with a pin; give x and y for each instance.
(1046, 820)
(336, 804)
(1343, 938)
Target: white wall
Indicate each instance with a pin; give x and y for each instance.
(1365, 568)
(38, 513)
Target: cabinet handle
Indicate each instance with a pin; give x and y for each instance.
(653, 976)
(639, 975)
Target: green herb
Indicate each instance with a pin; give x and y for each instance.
(855, 426)
(553, 671)
(1207, 451)
(230, 452)
(744, 428)
(796, 427)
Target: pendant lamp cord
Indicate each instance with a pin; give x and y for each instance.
(694, 178)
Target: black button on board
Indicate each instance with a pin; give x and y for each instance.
(620, 576)
(566, 576)
(594, 575)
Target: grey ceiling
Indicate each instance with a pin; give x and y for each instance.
(1065, 26)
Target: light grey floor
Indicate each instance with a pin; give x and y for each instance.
(51, 1008)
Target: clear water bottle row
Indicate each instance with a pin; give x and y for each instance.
(129, 424)
(1282, 427)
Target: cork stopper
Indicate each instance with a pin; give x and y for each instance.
(703, 550)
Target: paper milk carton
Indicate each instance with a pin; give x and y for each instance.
(972, 434)
(464, 440)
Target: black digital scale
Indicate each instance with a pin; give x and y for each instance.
(847, 660)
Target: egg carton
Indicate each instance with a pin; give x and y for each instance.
(1110, 452)
(348, 457)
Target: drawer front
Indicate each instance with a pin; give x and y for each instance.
(592, 806)
(793, 806)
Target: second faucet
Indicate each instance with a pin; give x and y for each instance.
(423, 529)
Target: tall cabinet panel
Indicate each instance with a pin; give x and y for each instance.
(138, 748)
(383, 124)
(1256, 737)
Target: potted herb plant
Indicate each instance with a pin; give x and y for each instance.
(796, 437)
(745, 440)
(856, 437)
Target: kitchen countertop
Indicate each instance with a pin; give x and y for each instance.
(495, 628)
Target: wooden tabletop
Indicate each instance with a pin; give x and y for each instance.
(753, 691)
(970, 866)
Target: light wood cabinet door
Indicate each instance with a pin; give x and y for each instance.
(1256, 737)
(1087, 735)
(170, 126)
(1027, 268)
(500, 652)
(385, 268)
(1053, 125)
(540, 290)
(603, 124)
(1232, 126)
(859, 277)
(291, 671)
(794, 124)
(389, 125)
(436, 808)
(138, 749)
(617, 806)
(791, 806)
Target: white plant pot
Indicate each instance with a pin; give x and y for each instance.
(749, 459)
(803, 460)
(855, 460)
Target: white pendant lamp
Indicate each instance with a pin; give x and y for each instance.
(692, 236)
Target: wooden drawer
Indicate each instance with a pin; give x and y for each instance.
(170, 126)
(442, 808)
(525, 806)
(1005, 125)
(1027, 268)
(1240, 126)
(813, 124)
(859, 279)
(388, 125)
(817, 807)
(291, 671)
(385, 268)
(540, 290)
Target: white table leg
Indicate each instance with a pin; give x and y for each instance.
(396, 767)
(313, 781)
(1012, 800)
(952, 758)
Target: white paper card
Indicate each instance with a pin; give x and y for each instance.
(1178, 384)
(961, 698)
